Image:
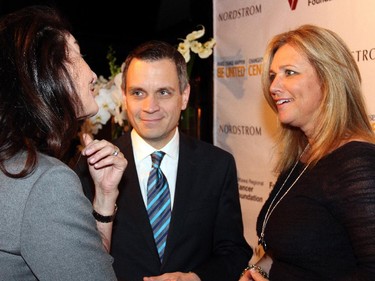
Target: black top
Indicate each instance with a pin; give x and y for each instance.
(324, 228)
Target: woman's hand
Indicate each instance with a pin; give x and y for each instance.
(106, 164)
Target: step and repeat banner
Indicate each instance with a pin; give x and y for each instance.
(243, 123)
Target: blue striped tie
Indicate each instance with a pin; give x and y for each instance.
(158, 203)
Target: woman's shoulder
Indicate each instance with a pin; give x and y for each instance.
(50, 176)
(352, 154)
(357, 147)
(44, 164)
(54, 169)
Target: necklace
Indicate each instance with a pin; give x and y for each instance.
(272, 206)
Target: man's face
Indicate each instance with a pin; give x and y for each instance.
(153, 100)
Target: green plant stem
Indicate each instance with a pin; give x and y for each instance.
(113, 67)
(190, 64)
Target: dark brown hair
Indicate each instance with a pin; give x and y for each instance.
(38, 100)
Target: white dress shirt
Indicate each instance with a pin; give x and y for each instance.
(142, 156)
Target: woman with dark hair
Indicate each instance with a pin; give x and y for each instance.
(48, 227)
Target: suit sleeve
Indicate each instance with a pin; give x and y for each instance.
(231, 251)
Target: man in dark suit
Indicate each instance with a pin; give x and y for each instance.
(205, 238)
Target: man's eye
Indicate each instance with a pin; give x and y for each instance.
(164, 93)
(136, 93)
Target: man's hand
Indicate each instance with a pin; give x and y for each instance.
(174, 276)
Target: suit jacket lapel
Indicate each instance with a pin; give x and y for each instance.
(132, 197)
(184, 184)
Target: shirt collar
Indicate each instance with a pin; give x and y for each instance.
(142, 149)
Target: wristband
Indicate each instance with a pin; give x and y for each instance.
(104, 219)
(257, 268)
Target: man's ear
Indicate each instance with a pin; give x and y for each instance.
(185, 97)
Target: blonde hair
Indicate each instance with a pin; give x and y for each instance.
(342, 113)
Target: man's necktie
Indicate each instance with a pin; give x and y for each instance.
(158, 202)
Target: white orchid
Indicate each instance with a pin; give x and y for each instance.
(118, 113)
(184, 49)
(196, 34)
(190, 43)
(108, 96)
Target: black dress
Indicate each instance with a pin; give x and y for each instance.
(324, 228)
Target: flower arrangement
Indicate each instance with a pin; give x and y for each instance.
(190, 47)
(108, 96)
(108, 92)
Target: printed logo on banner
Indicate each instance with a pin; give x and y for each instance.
(293, 4)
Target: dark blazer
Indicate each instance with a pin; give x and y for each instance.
(206, 231)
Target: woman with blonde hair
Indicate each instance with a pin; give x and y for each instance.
(319, 220)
